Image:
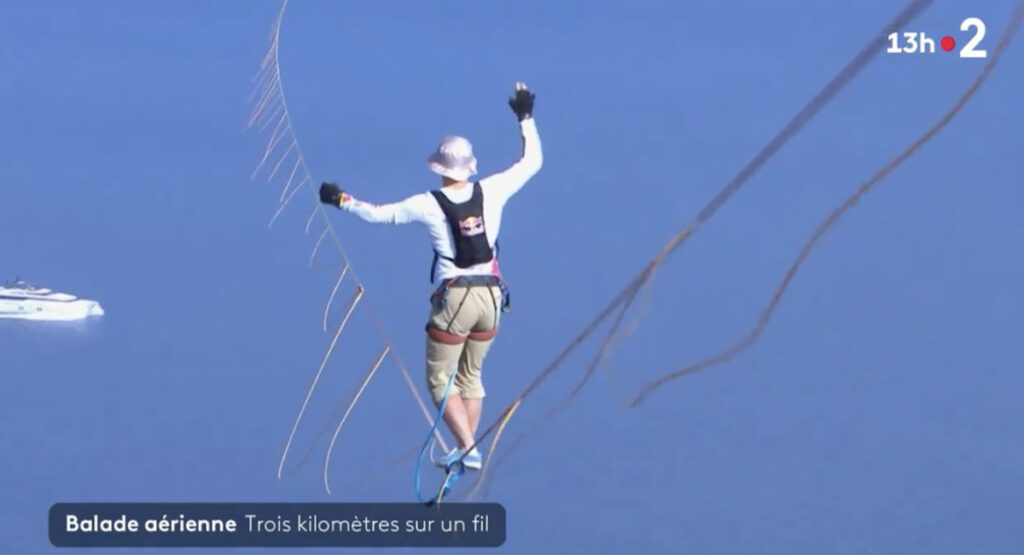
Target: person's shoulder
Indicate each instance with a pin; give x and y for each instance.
(424, 203)
(420, 199)
(491, 179)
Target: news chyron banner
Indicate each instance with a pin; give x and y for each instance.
(277, 525)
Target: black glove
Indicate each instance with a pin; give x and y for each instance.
(522, 102)
(331, 194)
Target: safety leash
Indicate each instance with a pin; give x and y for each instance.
(426, 444)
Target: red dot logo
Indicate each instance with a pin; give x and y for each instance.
(947, 43)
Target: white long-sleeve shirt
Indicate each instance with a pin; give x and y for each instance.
(424, 209)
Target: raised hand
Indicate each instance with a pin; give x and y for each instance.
(522, 102)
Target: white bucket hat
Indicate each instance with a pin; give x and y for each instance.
(453, 158)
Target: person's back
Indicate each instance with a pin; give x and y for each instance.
(463, 220)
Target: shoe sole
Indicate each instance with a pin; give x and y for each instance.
(468, 465)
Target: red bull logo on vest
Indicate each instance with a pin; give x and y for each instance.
(471, 226)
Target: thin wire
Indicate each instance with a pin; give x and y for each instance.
(762, 322)
(270, 105)
(348, 411)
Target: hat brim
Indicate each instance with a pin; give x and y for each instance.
(458, 174)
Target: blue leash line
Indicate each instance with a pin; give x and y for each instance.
(451, 477)
(449, 481)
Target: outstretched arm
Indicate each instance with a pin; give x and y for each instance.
(407, 211)
(508, 182)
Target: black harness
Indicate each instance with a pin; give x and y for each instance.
(469, 236)
(468, 230)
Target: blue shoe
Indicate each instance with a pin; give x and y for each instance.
(472, 461)
(449, 459)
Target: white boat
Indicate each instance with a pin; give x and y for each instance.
(24, 301)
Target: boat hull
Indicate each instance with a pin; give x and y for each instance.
(45, 310)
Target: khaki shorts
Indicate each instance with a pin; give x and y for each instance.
(460, 312)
